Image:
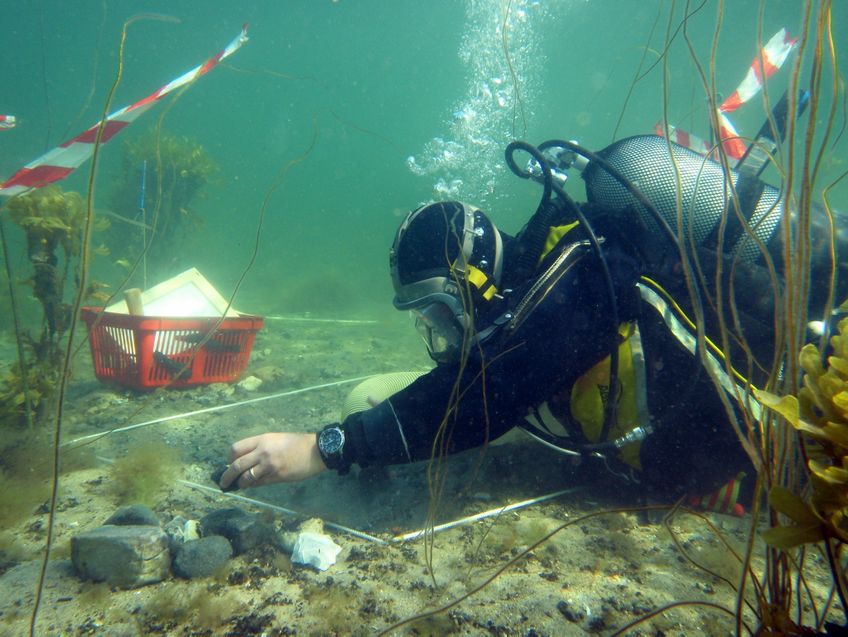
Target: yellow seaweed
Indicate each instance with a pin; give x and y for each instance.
(820, 415)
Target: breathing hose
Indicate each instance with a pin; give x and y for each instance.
(532, 238)
(535, 235)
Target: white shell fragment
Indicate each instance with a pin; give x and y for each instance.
(315, 550)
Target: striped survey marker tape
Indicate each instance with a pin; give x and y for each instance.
(767, 63)
(60, 162)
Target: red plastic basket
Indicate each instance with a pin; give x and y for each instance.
(144, 352)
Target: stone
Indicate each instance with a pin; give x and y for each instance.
(203, 557)
(181, 530)
(251, 383)
(244, 530)
(133, 515)
(312, 525)
(270, 375)
(123, 556)
(17, 586)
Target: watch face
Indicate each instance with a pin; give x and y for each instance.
(330, 441)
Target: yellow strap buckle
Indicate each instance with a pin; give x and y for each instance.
(481, 281)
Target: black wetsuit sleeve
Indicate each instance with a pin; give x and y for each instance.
(452, 409)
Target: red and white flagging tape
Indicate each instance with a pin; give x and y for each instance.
(60, 162)
(767, 63)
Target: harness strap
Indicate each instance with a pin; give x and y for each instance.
(641, 377)
(688, 340)
(543, 418)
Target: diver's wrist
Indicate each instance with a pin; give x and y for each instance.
(331, 442)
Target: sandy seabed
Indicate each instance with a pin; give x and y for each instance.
(596, 575)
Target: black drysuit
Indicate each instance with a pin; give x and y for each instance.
(693, 448)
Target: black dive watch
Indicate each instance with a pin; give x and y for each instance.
(331, 444)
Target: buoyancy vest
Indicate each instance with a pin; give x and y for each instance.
(584, 403)
(573, 419)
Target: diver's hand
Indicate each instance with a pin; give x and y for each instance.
(273, 457)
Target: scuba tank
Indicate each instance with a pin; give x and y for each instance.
(706, 198)
(638, 178)
(645, 174)
(640, 184)
(659, 169)
(705, 194)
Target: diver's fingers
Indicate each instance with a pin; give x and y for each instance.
(238, 468)
(243, 446)
(250, 478)
(228, 477)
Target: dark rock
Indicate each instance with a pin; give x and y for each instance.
(244, 530)
(236, 578)
(124, 556)
(133, 515)
(68, 503)
(569, 613)
(203, 557)
(594, 624)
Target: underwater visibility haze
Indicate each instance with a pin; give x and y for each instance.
(282, 175)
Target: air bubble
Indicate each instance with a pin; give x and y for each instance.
(465, 163)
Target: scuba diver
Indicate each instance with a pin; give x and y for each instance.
(581, 328)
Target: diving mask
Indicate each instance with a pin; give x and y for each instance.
(441, 329)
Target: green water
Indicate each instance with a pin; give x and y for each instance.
(377, 83)
(341, 116)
